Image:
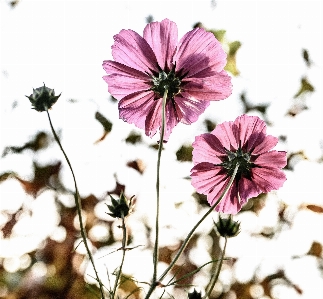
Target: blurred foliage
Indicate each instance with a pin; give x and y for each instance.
(106, 124)
(184, 154)
(133, 138)
(40, 141)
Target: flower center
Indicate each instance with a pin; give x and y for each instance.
(167, 81)
(233, 158)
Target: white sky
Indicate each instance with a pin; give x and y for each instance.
(63, 43)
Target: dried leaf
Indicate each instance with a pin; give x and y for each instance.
(315, 208)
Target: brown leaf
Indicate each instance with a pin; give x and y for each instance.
(137, 165)
(315, 208)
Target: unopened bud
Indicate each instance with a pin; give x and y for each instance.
(227, 227)
(120, 207)
(43, 98)
(194, 295)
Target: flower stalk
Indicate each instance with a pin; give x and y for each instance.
(124, 242)
(78, 205)
(190, 234)
(215, 277)
(160, 148)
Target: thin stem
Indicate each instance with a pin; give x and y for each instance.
(215, 277)
(190, 234)
(124, 241)
(160, 148)
(78, 206)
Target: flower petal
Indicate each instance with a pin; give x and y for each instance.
(272, 159)
(268, 179)
(247, 189)
(230, 203)
(162, 38)
(207, 177)
(135, 107)
(120, 86)
(208, 148)
(268, 143)
(225, 135)
(197, 50)
(248, 131)
(190, 109)
(212, 88)
(132, 50)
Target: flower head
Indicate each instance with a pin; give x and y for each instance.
(244, 143)
(190, 69)
(43, 98)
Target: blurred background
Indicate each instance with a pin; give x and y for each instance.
(275, 60)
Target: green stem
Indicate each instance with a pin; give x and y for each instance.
(153, 286)
(215, 277)
(124, 241)
(160, 148)
(78, 206)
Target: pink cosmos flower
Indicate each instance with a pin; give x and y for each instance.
(216, 154)
(191, 68)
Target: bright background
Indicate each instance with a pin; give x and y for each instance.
(63, 43)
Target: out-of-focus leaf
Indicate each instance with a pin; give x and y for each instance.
(210, 125)
(106, 124)
(133, 138)
(306, 87)
(129, 286)
(231, 58)
(6, 175)
(294, 158)
(316, 249)
(306, 57)
(137, 165)
(42, 178)
(315, 208)
(201, 199)
(7, 228)
(219, 34)
(262, 108)
(40, 141)
(14, 3)
(184, 153)
(119, 189)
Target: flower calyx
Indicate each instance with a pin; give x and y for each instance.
(166, 80)
(227, 227)
(121, 207)
(238, 157)
(43, 98)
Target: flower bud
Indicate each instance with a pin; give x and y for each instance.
(43, 98)
(227, 227)
(120, 207)
(194, 295)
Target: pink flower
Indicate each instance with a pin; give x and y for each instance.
(191, 68)
(216, 154)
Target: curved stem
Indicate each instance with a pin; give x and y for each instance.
(124, 241)
(190, 234)
(215, 277)
(78, 206)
